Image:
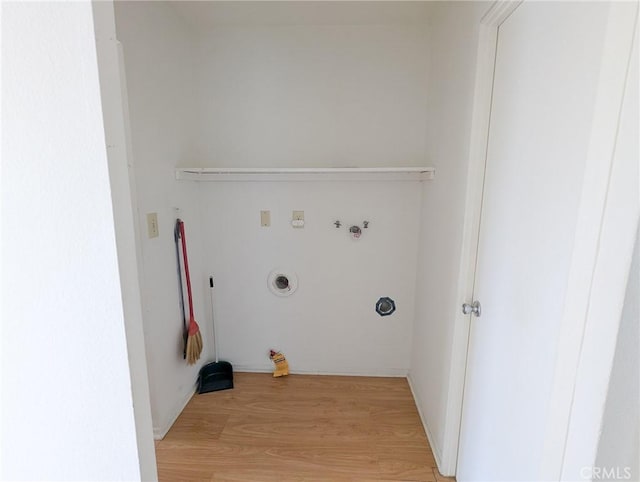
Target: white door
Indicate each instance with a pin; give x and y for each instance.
(548, 60)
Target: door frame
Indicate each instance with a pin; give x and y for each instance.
(603, 249)
(115, 112)
(575, 358)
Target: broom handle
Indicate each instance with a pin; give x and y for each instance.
(213, 319)
(185, 327)
(186, 268)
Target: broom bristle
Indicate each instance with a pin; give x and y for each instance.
(194, 343)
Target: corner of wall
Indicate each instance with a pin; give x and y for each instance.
(435, 449)
(159, 67)
(435, 358)
(160, 430)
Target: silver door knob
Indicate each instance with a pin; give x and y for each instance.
(472, 308)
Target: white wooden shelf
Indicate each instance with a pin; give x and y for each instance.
(305, 174)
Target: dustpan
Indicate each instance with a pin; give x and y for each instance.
(217, 375)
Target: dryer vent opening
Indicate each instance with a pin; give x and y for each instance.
(282, 283)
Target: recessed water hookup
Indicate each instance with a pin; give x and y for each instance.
(282, 282)
(355, 231)
(385, 306)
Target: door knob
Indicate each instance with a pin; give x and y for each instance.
(472, 308)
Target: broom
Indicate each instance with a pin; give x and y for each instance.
(183, 312)
(194, 337)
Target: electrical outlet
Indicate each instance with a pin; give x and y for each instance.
(152, 225)
(265, 218)
(297, 219)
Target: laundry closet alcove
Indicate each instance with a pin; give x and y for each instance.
(237, 108)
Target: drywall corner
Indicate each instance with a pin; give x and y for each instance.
(437, 454)
(453, 43)
(114, 110)
(158, 50)
(160, 431)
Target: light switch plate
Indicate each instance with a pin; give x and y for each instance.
(152, 225)
(297, 219)
(265, 218)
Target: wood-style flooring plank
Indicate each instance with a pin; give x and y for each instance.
(299, 428)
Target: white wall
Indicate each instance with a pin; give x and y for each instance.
(619, 446)
(312, 95)
(453, 46)
(159, 62)
(329, 325)
(67, 408)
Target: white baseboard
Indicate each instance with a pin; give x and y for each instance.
(160, 432)
(434, 448)
(387, 372)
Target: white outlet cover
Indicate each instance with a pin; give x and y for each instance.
(265, 218)
(152, 225)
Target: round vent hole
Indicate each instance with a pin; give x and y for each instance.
(282, 282)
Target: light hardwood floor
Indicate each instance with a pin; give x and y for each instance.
(300, 427)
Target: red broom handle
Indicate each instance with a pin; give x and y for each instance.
(186, 268)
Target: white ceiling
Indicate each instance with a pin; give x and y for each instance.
(204, 15)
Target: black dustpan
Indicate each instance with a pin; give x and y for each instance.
(217, 375)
